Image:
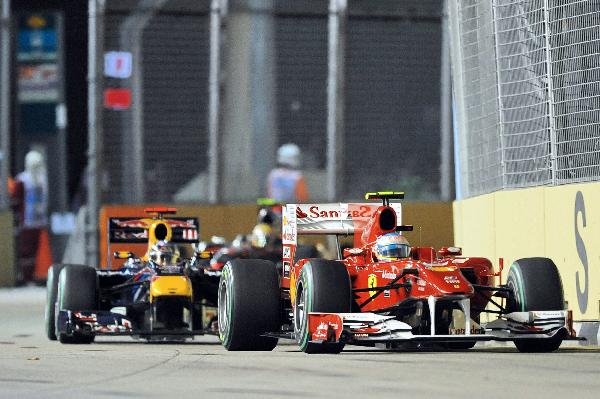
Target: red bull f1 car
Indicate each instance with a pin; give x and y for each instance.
(157, 295)
(364, 298)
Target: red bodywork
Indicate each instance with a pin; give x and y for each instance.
(426, 273)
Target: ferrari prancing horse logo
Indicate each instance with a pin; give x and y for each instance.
(372, 282)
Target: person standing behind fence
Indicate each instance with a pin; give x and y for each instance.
(285, 183)
(33, 226)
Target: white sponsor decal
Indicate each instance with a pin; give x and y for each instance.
(389, 275)
(451, 279)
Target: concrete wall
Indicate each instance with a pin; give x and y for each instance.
(561, 223)
(7, 252)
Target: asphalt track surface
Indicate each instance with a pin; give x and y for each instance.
(31, 366)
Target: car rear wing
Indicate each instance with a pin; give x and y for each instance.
(332, 218)
(136, 230)
(324, 219)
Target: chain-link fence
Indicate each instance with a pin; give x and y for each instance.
(157, 147)
(526, 83)
(575, 66)
(158, 143)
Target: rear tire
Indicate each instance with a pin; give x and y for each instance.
(536, 285)
(249, 305)
(323, 286)
(77, 290)
(51, 295)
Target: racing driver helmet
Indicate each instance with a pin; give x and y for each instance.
(164, 253)
(261, 235)
(391, 246)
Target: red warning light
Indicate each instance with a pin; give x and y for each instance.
(117, 99)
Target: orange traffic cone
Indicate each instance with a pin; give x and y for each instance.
(43, 258)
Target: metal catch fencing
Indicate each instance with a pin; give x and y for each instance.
(154, 142)
(153, 115)
(527, 78)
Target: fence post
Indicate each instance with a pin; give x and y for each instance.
(446, 111)
(217, 10)
(5, 105)
(550, 88)
(499, 96)
(94, 166)
(335, 97)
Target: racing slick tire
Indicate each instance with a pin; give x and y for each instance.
(248, 305)
(536, 285)
(77, 290)
(51, 293)
(323, 286)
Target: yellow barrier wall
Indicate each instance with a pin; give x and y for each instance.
(432, 223)
(561, 223)
(7, 252)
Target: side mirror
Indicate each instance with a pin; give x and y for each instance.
(123, 255)
(353, 252)
(450, 251)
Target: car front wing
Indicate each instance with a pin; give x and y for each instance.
(371, 328)
(109, 323)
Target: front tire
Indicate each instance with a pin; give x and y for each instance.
(249, 305)
(51, 297)
(323, 286)
(535, 285)
(77, 290)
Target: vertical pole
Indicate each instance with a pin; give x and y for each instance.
(214, 98)
(95, 31)
(5, 105)
(459, 119)
(550, 86)
(499, 105)
(263, 87)
(446, 111)
(61, 122)
(335, 97)
(138, 188)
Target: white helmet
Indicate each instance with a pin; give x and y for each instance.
(164, 253)
(289, 155)
(33, 160)
(262, 235)
(34, 165)
(391, 246)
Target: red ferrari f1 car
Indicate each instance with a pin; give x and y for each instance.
(383, 292)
